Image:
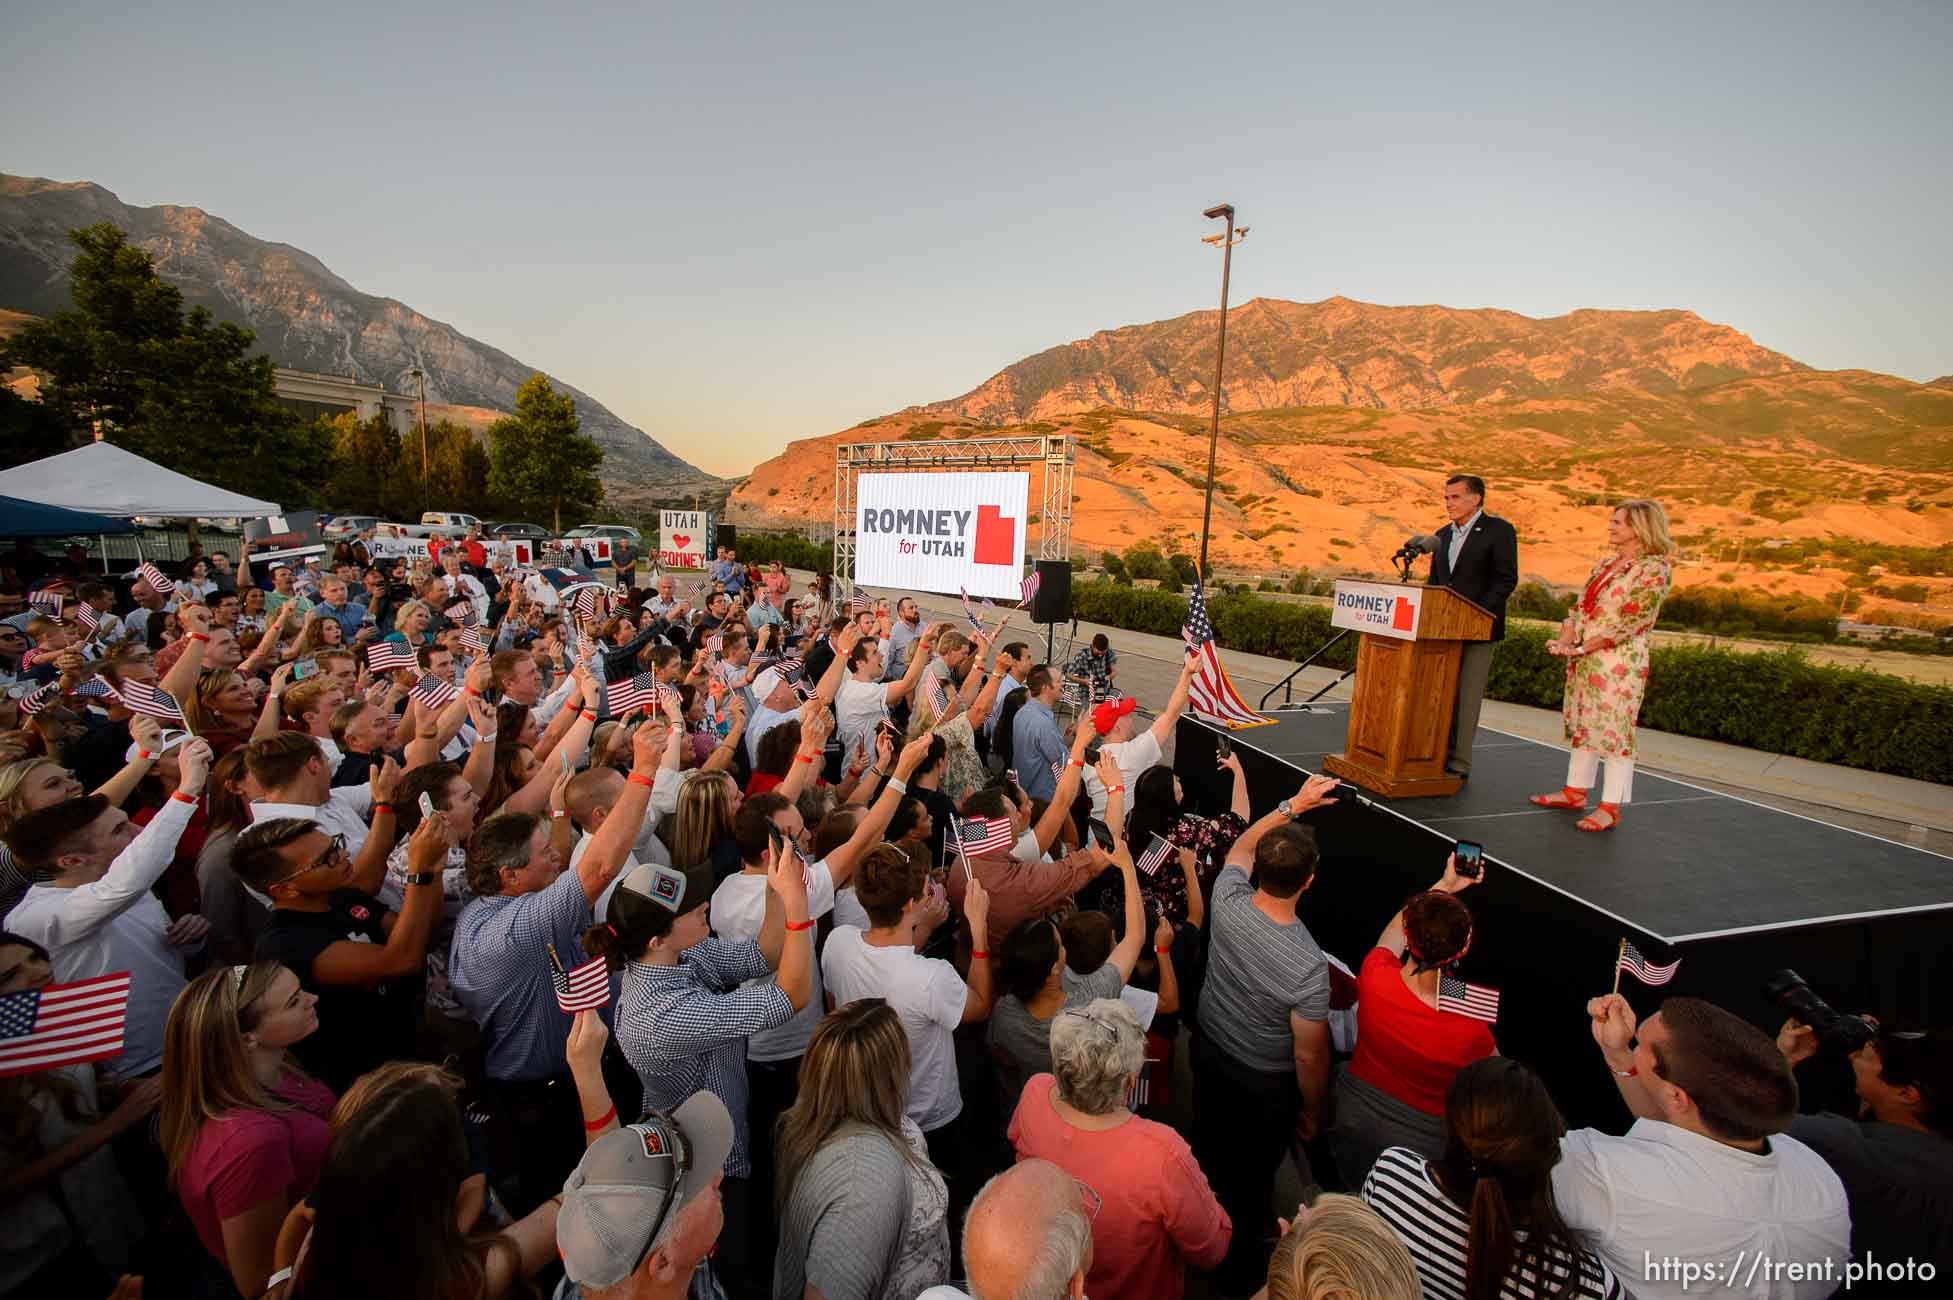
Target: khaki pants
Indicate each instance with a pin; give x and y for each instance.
(1474, 667)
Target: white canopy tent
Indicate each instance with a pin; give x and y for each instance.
(104, 479)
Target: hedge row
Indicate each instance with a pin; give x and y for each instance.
(1779, 702)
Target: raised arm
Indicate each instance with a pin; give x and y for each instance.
(148, 735)
(1450, 882)
(181, 680)
(1176, 704)
(786, 879)
(613, 840)
(405, 951)
(816, 725)
(902, 687)
(722, 755)
(1316, 792)
(1169, 978)
(370, 867)
(1059, 812)
(268, 714)
(830, 682)
(976, 910)
(1125, 954)
(841, 862)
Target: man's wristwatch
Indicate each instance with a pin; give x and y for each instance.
(1286, 809)
(423, 877)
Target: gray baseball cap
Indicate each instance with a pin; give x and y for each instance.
(631, 1183)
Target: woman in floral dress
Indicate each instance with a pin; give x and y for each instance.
(1605, 643)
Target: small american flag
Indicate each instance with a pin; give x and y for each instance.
(1029, 590)
(969, 610)
(141, 697)
(95, 688)
(1158, 850)
(434, 692)
(63, 1024)
(1644, 970)
(38, 698)
(586, 602)
(1057, 770)
(1072, 693)
(981, 835)
(51, 601)
(581, 988)
(861, 603)
(631, 694)
(1462, 999)
(87, 615)
(788, 667)
(462, 613)
(938, 696)
(804, 691)
(668, 697)
(474, 640)
(152, 575)
(715, 644)
(1141, 1090)
(390, 656)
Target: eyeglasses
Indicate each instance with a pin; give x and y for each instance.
(1093, 1201)
(335, 852)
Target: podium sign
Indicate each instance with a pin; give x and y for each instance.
(1406, 684)
(1385, 608)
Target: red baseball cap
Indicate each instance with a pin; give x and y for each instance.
(1110, 711)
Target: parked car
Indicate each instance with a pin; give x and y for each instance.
(518, 532)
(618, 532)
(342, 526)
(443, 519)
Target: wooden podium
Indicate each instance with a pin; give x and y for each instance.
(1406, 684)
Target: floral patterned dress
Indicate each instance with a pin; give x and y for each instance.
(1604, 689)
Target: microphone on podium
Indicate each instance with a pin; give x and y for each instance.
(1421, 544)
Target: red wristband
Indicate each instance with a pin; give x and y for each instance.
(638, 778)
(471, 691)
(805, 758)
(1076, 762)
(382, 808)
(588, 715)
(198, 636)
(979, 956)
(807, 924)
(1162, 950)
(180, 797)
(592, 1125)
(144, 755)
(1115, 789)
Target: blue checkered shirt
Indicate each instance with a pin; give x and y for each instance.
(683, 1028)
(498, 968)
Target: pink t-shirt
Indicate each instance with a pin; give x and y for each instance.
(1159, 1214)
(247, 1156)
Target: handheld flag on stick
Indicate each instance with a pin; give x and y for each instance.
(969, 610)
(1211, 693)
(152, 575)
(631, 695)
(474, 640)
(390, 656)
(976, 836)
(38, 699)
(63, 1024)
(938, 696)
(51, 601)
(462, 613)
(433, 691)
(87, 615)
(861, 602)
(1158, 850)
(1029, 590)
(1641, 968)
(1462, 999)
(581, 988)
(154, 701)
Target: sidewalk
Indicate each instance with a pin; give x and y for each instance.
(1892, 807)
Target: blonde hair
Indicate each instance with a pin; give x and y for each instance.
(1095, 1050)
(12, 777)
(196, 707)
(206, 1065)
(392, 1076)
(1649, 523)
(1344, 1251)
(855, 1071)
(407, 607)
(704, 817)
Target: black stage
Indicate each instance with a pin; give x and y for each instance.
(1736, 888)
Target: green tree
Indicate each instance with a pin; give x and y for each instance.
(180, 388)
(537, 459)
(1144, 562)
(29, 430)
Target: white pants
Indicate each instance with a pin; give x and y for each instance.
(1619, 785)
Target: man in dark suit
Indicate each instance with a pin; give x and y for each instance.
(1477, 557)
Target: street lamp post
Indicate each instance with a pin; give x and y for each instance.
(420, 405)
(1227, 240)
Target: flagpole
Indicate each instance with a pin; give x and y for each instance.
(1227, 242)
(1620, 954)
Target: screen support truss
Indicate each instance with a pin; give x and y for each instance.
(1051, 527)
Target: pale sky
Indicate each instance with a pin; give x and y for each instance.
(737, 225)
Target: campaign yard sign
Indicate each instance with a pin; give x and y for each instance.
(681, 539)
(942, 532)
(1382, 608)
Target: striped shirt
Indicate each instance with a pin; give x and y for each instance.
(683, 1028)
(1437, 1233)
(498, 969)
(1258, 972)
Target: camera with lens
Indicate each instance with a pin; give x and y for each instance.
(1837, 1033)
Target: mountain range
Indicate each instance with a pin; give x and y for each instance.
(1342, 419)
(305, 317)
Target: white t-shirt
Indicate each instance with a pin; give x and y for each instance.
(1664, 1193)
(1133, 757)
(849, 911)
(738, 912)
(1026, 849)
(926, 993)
(858, 708)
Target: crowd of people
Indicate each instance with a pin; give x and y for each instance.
(904, 947)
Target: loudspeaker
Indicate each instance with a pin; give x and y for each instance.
(1052, 604)
(726, 535)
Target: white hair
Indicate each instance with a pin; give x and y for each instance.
(1063, 1230)
(1095, 1050)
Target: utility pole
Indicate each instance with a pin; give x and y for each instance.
(420, 379)
(1227, 240)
